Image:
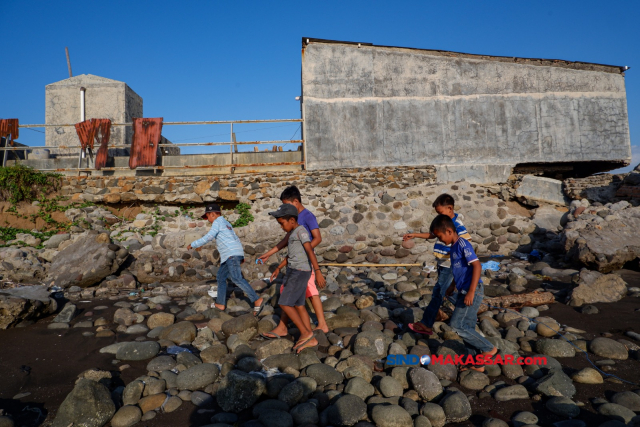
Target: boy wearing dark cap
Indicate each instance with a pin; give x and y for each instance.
(231, 256)
(300, 261)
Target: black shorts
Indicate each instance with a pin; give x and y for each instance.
(295, 287)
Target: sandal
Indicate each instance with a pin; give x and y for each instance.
(257, 310)
(412, 326)
(273, 337)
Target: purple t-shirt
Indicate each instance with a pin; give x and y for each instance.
(308, 221)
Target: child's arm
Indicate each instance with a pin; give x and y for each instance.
(450, 289)
(211, 235)
(475, 277)
(274, 276)
(314, 263)
(316, 238)
(418, 235)
(275, 249)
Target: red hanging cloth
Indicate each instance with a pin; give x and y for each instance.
(86, 132)
(146, 137)
(102, 135)
(9, 127)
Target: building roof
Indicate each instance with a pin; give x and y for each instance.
(83, 79)
(576, 65)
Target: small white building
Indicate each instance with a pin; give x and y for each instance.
(104, 99)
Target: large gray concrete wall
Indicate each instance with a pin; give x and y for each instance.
(379, 106)
(104, 99)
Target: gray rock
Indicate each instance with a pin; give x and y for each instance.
(434, 413)
(324, 374)
(126, 416)
(606, 347)
(524, 418)
(273, 347)
(555, 383)
(137, 350)
(421, 421)
(628, 399)
(391, 416)
(347, 410)
(89, 404)
(373, 344)
(390, 387)
(474, 380)
(359, 387)
(512, 392)
(456, 407)
(593, 287)
(25, 303)
(563, 406)
(66, 314)
(425, 383)
(197, 377)
(55, 240)
(274, 418)
(494, 422)
(555, 348)
(245, 326)
(83, 263)
(200, 398)
(239, 391)
(305, 414)
(616, 412)
(292, 393)
(180, 333)
(132, 392)
(161, 363)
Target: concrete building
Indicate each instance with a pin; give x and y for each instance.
(475, 117)
(104, 99)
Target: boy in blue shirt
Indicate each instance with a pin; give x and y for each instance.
(231, 256)
(444, 205)
(466, 270)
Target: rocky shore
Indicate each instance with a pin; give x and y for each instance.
(129, 295)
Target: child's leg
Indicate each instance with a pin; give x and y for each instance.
(306, 335)
(445, 277)
(223, 273)
(317, 307)
(236, 276)
(464, 320)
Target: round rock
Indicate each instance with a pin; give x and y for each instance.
(126, 416)
(197, 377)
(391, 416)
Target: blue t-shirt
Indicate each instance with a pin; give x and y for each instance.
(462, 255)
(308, 221)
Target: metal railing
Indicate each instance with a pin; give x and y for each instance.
(233, 145)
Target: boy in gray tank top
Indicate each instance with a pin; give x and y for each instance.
(299, 262)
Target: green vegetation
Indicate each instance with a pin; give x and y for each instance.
(10, 233)
(245, 215)
(18, 183)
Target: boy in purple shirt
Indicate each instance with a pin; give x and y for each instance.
(291, 195)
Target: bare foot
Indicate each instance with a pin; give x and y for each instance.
(312, 342)
(280, 330)
(258, 302)
(472, 367)
(419, 327)
(322, 327)
(492, 352)
(220, 306)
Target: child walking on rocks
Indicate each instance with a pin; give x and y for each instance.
(466, 270)
(291, 196)
(444, 205)
(231, 256)
(299, 270)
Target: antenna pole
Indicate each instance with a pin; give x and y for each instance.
(66, 49)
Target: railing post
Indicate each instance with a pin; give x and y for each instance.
(6, 143)
(231, 149)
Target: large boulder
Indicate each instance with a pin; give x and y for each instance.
(89, 404)
(608, 245)
(85, 262)
(24, 303)
(593, 286)
(180, 333)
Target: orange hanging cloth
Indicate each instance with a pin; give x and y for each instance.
(93, 130)
(102, 135)
(146, 137)
(9, 127)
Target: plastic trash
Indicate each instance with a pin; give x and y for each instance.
(259, 261)
(213, 293)
(323, 298)
(175, 349)
(491, 265)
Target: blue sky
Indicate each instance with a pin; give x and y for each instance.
(206, 60)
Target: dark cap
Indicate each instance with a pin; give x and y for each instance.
(285, 210)
(211, 208)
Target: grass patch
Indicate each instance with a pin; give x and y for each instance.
(19, 182)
